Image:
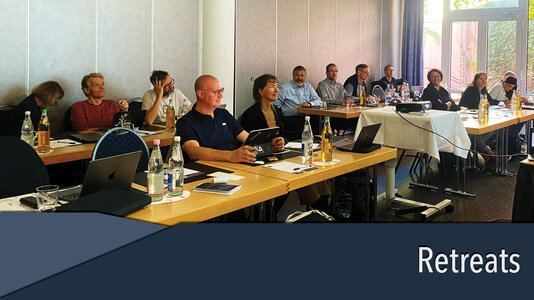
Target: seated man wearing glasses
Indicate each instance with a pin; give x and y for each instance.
(209, 133)
(156, 100)
(356, 83)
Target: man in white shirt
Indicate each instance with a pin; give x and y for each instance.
(156, 100)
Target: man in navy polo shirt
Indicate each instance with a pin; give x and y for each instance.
(208, 132)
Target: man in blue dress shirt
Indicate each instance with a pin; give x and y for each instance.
(292, 95)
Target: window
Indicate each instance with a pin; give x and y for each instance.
(432, 36)
(481, 36)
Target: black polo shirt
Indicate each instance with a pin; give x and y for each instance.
(218, 132)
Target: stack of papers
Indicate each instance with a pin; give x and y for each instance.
(289, 167)
(295, 145)
(54, 144)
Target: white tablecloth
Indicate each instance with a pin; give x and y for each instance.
(396, 132)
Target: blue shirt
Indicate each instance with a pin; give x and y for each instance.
(218, 132)
(291, 96)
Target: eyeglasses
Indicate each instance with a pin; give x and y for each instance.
(365, 72)
(169, 84)
(216, 92)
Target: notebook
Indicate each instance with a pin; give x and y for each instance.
(364, 142)
(114, 172)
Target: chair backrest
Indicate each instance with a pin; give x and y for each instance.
(5, 113)
(22, 169)
(67, 125)
(135, 104)
(377, 91)
(121, 140)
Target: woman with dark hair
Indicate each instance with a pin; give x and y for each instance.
(503, 92)
(470, 99)
(438, 95)
(43, 95)
(263, 114)
(471, 95)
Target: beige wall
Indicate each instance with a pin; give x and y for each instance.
(124, 40)
(274, 36)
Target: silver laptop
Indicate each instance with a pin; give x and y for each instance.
(115, 172)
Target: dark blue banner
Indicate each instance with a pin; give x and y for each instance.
(305, 261)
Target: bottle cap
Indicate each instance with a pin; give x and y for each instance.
(177, 138)
(156, 142)
(326, 118)
(44, 110)
(307, 118)
(27, 112)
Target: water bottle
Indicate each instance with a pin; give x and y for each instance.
(43, 133)
(482, 111)
(170, 117)
(307, 142)
(26, 132)
(388, 95)
(513, 104)
(155, 174)
(327, 142)
(176, 170)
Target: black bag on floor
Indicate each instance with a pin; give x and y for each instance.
(355, 196)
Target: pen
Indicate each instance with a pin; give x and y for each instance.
(70, 143)
(296, 169)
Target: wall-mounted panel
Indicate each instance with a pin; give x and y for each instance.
(13, 51)
(348, 37)
(255, 47)
(176, 43)
(370, 35)
(124, 49)
(61, 48)
(292, 37)
(322, 38)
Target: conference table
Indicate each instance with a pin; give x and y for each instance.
(499, 120)
(84, 151)
(337, 111)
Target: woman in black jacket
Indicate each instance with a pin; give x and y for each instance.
(263, 114)
(470, 99)
(438, 95)
(471, 95)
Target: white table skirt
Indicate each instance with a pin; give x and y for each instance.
(396, 132)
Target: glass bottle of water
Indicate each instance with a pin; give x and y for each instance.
(170, 115)
(43, 133)
(307, 142)
(26, 132)
(327, 142)
(176, 170)
(481, 111)
(513, 104)
(155, 174)
(387, 97)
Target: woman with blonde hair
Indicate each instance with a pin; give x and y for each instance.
(43, 95)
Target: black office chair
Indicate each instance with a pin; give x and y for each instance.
(135, 104)
(121, 140)
(5, 113)
(67, 125)
(22, 169)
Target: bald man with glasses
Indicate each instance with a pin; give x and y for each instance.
(208, 132)
(156, 100)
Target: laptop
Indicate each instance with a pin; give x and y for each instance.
(114, 172)
(531, 155)
(135, 117)
(364, 142)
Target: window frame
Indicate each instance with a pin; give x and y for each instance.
(483, 16)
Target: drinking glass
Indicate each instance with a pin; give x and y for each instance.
(47, 197)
